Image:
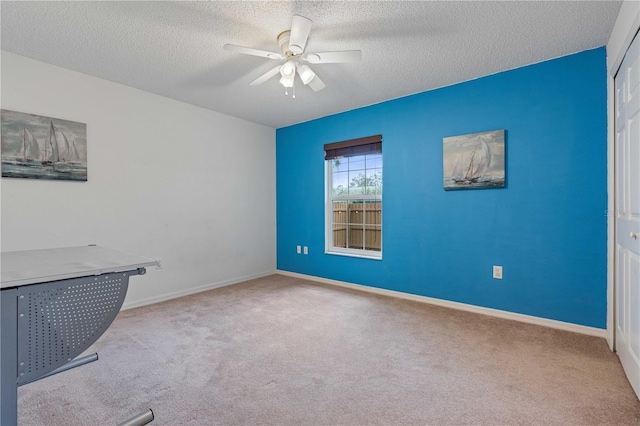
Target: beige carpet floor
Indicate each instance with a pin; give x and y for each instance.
(284, 351)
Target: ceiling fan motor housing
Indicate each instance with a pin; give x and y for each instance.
(283, 42)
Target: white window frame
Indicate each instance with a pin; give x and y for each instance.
(329, 199)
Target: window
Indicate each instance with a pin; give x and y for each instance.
(354, 197)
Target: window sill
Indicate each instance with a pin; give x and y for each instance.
(361, 254)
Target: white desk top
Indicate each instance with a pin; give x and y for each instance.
(19, 268)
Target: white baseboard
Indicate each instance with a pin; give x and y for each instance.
(193, 290)
(560, 325)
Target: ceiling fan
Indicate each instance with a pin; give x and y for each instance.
(292, 44)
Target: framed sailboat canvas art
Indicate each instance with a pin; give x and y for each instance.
(37, 147)
(474, 161)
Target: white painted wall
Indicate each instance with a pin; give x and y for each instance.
(165, 180)
(625, 28)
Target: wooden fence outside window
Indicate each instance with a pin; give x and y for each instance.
(357, 224)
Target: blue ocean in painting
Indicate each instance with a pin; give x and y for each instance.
(36, 170)
(486, 182)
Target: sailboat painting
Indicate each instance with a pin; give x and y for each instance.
(474, 161)
(37, 147)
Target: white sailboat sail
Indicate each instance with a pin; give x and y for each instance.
(67, 151)
(484, 160)
(458, 170)
(30, 151)
(53, 144)
(65, 146)
(73, 155)
(470, 168)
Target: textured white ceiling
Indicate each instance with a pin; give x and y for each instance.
(175, 48)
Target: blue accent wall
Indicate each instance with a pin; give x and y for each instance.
(547, 228)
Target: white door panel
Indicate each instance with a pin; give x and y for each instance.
(634, 160)
(627, 218)
(634, 300)
(622, 290)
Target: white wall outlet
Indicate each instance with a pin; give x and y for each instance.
(497, 272)
(306, 250)
(298, 249)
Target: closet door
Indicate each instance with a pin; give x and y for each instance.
(627, 222)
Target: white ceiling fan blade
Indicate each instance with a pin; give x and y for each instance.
(316, 84)
(266, 76)
(254, 52)
(337, 57)
(300, 28)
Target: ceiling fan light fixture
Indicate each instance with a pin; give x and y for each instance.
(306, 74)
(288, 69)
(286, 81)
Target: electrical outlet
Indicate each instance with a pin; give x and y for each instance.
(298, 249)
(306, 250)
(497, 272)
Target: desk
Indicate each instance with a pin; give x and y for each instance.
(55, 303)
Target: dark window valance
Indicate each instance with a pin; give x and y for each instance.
(352, 147)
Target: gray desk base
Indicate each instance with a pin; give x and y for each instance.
(46, 325)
